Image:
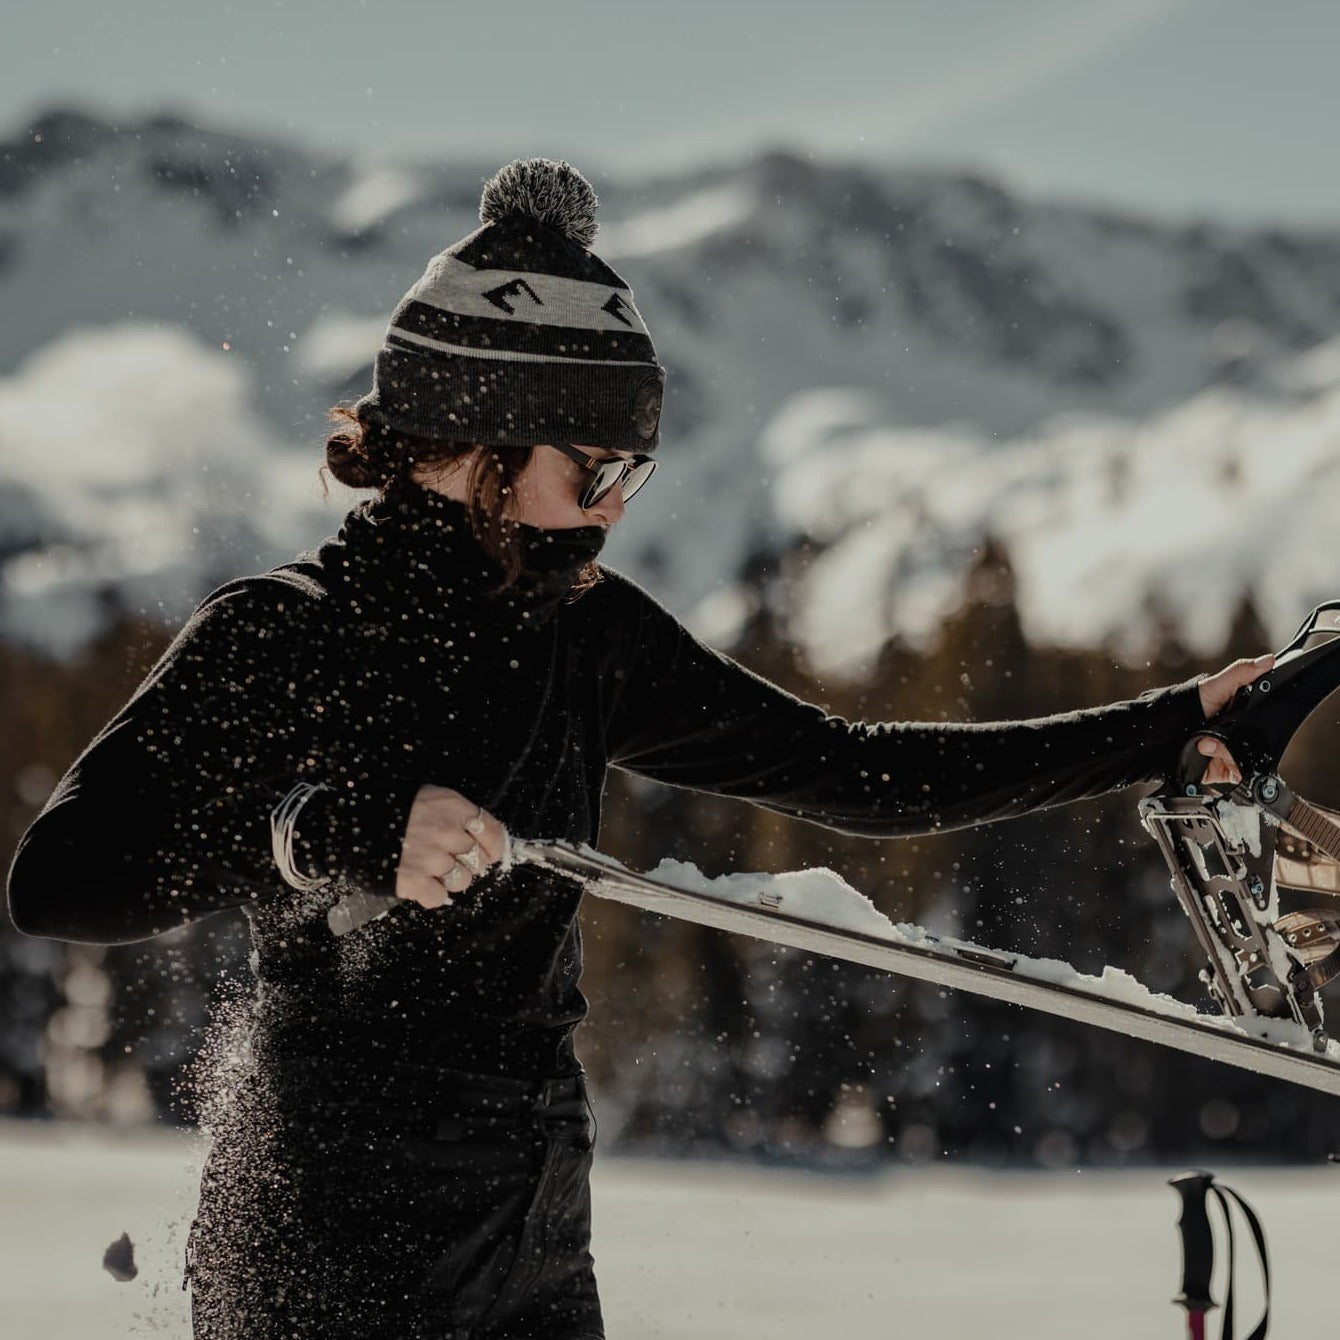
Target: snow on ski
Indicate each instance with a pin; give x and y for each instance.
(763, 906)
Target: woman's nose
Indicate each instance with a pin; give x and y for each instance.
(610, 508)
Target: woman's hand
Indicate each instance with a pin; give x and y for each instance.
(1216, 692)
(448, 841)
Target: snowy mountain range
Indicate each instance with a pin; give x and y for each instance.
(893, 365)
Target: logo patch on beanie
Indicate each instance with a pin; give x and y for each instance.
(616, 308)
(514, 288)
(646, 408)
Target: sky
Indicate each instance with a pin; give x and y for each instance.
(1181, 108)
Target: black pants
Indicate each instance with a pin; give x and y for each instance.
(464, 1217)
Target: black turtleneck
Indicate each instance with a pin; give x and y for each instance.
(388, 658)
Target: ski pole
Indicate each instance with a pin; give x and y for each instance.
(1197, 1249)
(1195, 1188)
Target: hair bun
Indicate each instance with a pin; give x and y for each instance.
(546, 189)
(347, 456)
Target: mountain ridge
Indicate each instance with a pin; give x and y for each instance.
(951, 304)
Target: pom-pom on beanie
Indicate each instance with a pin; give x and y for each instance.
(518, 334)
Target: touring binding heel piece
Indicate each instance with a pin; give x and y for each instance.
(1230, 848)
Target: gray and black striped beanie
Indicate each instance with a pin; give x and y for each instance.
(518, 335)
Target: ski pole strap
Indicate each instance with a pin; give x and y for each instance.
(1197, 1236)
(1259, 1238)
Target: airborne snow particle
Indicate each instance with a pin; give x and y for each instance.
(119, 1260)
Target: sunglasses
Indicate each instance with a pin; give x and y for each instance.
(627, 473)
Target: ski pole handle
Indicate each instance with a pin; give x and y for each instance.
(1197, 1246)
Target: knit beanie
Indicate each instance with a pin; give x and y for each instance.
(517, 334)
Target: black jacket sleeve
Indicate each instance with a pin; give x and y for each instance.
(684, 714)
(164, 818)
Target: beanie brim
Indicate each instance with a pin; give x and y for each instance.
(515, 402)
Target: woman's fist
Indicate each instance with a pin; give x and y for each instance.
(448, 841)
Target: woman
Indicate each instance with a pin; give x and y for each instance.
(404, 1151)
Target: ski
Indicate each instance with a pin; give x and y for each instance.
(1116, 1002)
(762, 906)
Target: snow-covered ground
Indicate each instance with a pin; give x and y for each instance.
(708, 1251)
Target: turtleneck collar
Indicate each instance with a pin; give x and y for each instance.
(414, 549)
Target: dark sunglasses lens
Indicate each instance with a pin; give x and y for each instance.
(606, 476)
(638, 476)
(610, 474)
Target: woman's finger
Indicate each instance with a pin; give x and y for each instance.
(483, 833)
(1217, 691)
(422, 889)
(456, 879)
(1221, 766)
(431, 852)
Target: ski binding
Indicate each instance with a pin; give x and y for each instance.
(1231, 850)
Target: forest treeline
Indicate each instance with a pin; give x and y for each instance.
(703, 1042)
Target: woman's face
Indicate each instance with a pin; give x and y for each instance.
(546, 490)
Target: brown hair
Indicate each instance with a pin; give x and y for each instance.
(365, 455)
